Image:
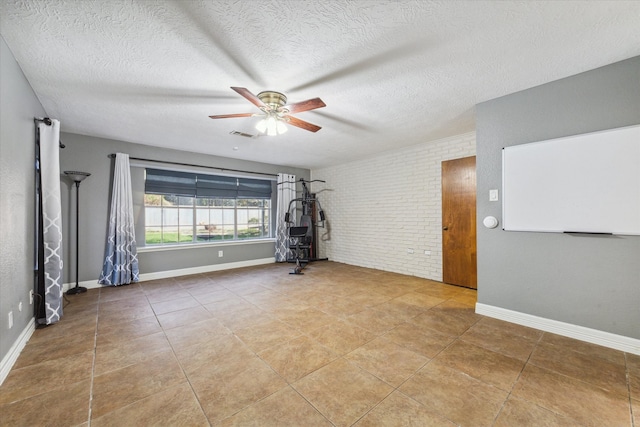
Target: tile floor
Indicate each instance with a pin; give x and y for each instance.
(338, 346)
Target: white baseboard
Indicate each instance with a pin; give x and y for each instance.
(594, 336)
(10, 358)
(92, 284)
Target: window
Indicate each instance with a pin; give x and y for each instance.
(190, 208)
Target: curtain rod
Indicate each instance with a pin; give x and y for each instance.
(47, 121)
(196, 166)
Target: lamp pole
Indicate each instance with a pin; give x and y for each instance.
(77, 177)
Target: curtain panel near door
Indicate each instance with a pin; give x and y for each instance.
(50, 269)
(121, 257)
(286, 193)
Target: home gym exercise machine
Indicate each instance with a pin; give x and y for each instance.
(303, 237)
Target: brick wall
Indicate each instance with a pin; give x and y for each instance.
(380, 207)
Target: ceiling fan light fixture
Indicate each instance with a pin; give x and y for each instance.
(280, 127)
(272, 129)
(272, 125)
(262, 126)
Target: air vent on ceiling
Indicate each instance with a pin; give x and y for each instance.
(247, 135)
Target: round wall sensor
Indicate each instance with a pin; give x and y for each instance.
(490, 222)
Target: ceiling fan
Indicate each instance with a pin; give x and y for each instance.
(275, 111)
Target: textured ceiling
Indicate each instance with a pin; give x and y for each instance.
(392, 73)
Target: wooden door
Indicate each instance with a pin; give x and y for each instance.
(459, 259)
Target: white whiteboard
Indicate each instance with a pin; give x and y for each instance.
(584, 183)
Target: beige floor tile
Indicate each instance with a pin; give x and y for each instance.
(68, 325)
(426, 342)
(56, 348)
(369, 297)
(192, 280)
(339, 306)
(304, 320)
(388, 291)
(420, 299)
(174, 305)
(518, 412)
(113, 318)
(223, 353)
(213, 295)
(176, 406)
(125, 331)
(485, 365)
(183, 317)
(467, 297)
(113, 293)
(143, 379)
(454, 395)
(341, 337)
(135, 302)
(387, 360)
(65, 405)
(297, 358)
(586, 403)
(265, 335)
(166, 294)
(587, 368)
(246, 318)
(43, 377)
(439, 290)
(503, 337)
(398, 410)
(263, 296)
(283, 408)
(400, 310)
(118, 355)
(228, 306)
(460, 310)
(342, 392)
(583, 347)
(194, 333)
(334, 334)
(375, 321)
(443, 322)
(222, 394)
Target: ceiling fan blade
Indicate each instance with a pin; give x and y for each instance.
(302, 124)
(249, 96)
(229, 116)
(309, 104)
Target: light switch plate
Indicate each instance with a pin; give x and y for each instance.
(493, 195)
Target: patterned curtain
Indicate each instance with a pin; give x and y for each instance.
(51, 211)
(286, 193)
(121, 258)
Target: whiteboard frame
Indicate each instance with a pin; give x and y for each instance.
(586, 183)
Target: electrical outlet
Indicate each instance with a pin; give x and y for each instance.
(427, 252)
(10, 319)
(31, 296)
(220, 253)
(409, 251)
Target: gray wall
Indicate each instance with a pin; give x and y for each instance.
(588, 281)
(18, 107)
(90, 154)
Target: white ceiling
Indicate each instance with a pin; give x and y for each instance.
(392, 73)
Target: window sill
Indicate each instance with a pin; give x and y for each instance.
(142, 249)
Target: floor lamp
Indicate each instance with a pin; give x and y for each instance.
(77, 177)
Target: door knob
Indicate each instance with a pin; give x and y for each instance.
(445, 228)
